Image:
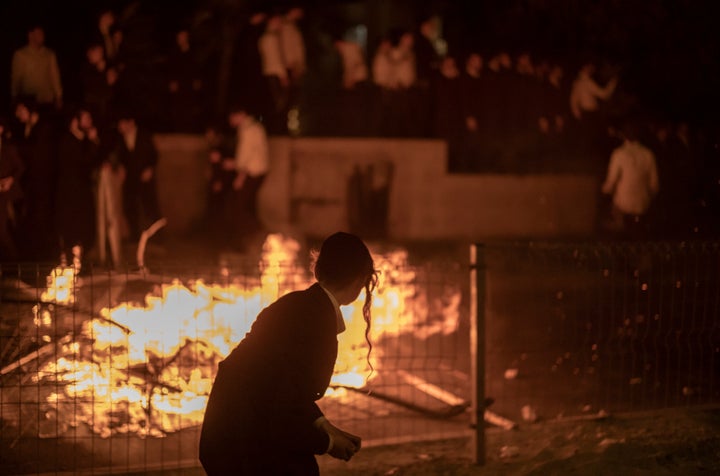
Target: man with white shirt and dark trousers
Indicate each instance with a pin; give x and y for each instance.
(632, 182)
(275, 72)
(251, 163)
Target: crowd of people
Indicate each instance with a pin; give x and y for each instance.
(70, 167)
(80, 175)
(52, 178)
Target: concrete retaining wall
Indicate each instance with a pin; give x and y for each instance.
(308, 191)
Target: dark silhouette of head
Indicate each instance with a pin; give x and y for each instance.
(343, 258)
(36, 35)
(631, 130)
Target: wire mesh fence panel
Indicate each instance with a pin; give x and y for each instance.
(110, 370)
(580, 328)
(418, 386)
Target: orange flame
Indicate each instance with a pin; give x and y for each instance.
(154, 364)
(61, 284)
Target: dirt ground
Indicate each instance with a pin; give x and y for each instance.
(671, 442)
(682, 442)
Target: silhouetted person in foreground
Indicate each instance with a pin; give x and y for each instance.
(261, 417)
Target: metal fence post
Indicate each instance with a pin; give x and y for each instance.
(477, 349)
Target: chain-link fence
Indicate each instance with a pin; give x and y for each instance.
(107, 371)
(585, 329)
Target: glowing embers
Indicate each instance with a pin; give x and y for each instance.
(61, 284)
(63, 280)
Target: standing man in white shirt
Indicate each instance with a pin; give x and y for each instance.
(252, 163)
(632, 181)
(35, 72)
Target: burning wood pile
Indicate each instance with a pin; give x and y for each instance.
(143, 364)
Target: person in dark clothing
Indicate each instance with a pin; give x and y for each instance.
(554, 111)
(11, 169)
(263, 397)
(427, 59)
(97, 80)
(472, 86)
(77, 160)
(677, 162)
(427, 64)
(103, 35)
(35, 138)
(447, 110)
(472, 137)
(135, 151)
(498, 105)
(221, 175)
(447, 100)
(250, 87)
(185, 86)
(274, 70)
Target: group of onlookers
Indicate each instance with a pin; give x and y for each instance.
(53, 165)
(497, 112)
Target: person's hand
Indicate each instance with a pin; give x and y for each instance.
(228, 164)
(239, 182)
(6, 184)
(111, 76)
(174, 86)
(471, 123)
(92, 134)
(345, 444)
(257, 18)
(343, 447)
(146, 174)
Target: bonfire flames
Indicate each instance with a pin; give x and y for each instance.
(148, 369)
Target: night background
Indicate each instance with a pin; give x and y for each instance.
(665, 51)
(482, 202)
